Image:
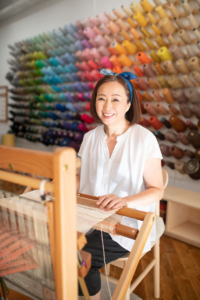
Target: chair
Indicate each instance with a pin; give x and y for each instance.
(154, 263)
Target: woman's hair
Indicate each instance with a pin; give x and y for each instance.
(133, 115)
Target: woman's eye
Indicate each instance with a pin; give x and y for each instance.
(115, 100)
(101, 99)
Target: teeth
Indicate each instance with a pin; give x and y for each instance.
(108, 115)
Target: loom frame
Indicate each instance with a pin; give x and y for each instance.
(61, 166)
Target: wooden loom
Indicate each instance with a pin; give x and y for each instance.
(64, 241)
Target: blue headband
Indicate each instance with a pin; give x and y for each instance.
(125, 75)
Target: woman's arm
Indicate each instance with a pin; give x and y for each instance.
(154, 185)
(154, 189)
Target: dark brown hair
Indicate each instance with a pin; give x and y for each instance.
(133, 115)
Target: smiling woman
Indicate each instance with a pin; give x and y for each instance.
(121, 165)
(132, 110)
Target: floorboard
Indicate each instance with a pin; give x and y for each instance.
(180, 272)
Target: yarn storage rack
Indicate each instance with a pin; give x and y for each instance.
(74, 49)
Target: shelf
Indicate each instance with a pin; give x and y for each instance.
(182, 196)
(183, 215)
(187, 232)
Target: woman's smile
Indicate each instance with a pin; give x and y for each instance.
(108, 116)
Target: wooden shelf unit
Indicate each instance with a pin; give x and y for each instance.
(183, 215)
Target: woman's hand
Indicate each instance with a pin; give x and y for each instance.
(110, 202)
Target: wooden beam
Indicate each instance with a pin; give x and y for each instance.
(25, 180)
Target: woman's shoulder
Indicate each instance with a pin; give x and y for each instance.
(89, 139)
(141, 132)
(94, 132)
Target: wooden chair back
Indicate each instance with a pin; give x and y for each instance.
(165, 183)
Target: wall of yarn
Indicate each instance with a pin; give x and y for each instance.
(54, 73)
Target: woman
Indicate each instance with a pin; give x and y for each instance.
(121, 164)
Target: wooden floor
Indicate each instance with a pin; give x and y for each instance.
(180, 272)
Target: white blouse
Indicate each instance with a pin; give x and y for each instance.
(122, 173)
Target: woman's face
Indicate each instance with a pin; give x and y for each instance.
(111, 103)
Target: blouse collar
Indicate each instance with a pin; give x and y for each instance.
(119, 137)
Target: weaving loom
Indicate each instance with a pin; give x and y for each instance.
(38, 238)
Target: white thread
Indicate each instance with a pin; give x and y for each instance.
(42, 184)
(105, 263)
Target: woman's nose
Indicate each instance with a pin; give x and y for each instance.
(107, 104)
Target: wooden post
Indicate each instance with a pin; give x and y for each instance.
(64, 169)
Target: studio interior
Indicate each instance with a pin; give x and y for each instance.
(99, 149)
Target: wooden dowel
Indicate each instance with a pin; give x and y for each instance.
(132, 213)
(90, 201)
(87, 196)
(110, 278)
(126, 231)
(26, 181)
(86, 202)
(142, 275)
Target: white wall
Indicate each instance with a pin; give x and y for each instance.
(46, 16)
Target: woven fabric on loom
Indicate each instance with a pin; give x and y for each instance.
(88, 217)
(109, 224)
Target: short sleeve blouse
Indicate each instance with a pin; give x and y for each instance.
(122, 173)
